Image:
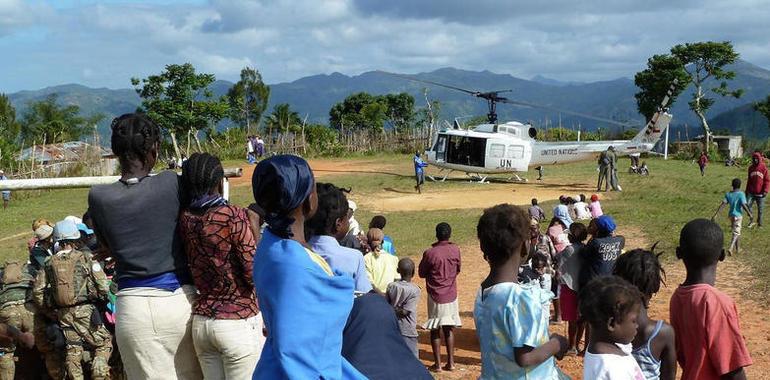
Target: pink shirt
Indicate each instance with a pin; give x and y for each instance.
(596, 209)
(709, 343)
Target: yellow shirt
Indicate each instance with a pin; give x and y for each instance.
(381, 267)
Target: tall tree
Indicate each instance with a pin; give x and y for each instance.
(47, 120)
(363, 111)
(9, 127)
(180, 101)
(654, 81)
(248, 99)
(703, 61)
(763, 107)
(283, 120)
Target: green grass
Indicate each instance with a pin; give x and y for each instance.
(658, 206)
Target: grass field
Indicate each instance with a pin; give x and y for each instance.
(658, 205)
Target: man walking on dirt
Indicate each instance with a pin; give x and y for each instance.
(419, 171)
(757, 185)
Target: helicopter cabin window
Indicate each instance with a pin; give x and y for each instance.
(440, 147)
(463, 150)
(497, 150)
(515, 151)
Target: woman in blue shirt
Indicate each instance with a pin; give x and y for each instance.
(303, 303)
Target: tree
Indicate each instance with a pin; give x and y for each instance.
(363, 111)
(248, 99)
(46, 120)
(701, 62)
(9, 127)
(762, 107)
(400, 111)
(655, 80)
(283, 119)
(179, 100)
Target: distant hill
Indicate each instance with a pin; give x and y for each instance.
(743, 120)
(315, 95)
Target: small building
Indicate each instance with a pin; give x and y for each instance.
(729, 146)
(57, 158)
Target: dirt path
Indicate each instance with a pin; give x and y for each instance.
(732, 279)
(389, 199)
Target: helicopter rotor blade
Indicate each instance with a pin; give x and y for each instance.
(580, 114)
(431, 83)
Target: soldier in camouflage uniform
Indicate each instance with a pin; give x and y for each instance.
(73, 283)
(16, 309)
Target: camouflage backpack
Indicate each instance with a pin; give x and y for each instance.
(16, 282)
(68, 278)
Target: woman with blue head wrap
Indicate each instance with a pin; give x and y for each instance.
(303, 303)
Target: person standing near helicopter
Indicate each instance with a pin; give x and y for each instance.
(419, 171)
(604, 171)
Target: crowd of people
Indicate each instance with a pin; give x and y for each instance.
(163, 278)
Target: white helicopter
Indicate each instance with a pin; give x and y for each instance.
(512, 147)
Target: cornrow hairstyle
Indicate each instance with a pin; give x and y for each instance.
(133, 135)
(332, 205)
(502, 231)
(201, 174)
(642, 269)
(605, 298)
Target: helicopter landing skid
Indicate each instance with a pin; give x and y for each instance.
(516, 178)
(477, 177)
(432, 178)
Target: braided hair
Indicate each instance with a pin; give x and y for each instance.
(332, 205)
(642, 269)
(201, 173)
(607, 297)
(133, 136)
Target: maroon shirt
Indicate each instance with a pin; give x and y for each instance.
(220, 250)
(439, 267)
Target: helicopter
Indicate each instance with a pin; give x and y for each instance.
(512, 147)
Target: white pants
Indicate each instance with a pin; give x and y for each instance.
(228, 348)
(153, 333)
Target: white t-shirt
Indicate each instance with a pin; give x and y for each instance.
(611, 366)
(581, 211)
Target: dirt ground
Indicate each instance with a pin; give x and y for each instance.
(433, 197)
(733, 278)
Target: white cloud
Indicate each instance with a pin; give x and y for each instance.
(106, 44)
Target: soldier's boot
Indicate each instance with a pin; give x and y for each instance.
(72, 362)
(7, 366)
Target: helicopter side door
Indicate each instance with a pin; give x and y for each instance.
(440, 148)
(507, 156)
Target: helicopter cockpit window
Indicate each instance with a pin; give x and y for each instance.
(497, 150)
(468, 151)
(515, 151)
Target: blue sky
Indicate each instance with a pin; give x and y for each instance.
(105, 43)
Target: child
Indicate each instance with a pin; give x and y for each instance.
(569, 267)
(440, 266)
(709, 344)
(737, 201)
(702, 162)
(595, 207)
(536, 212)
(379, 221)
(653, 347)
(511, 323)
(610, 305)
(403, 296)
(381, 266)
(582, 211)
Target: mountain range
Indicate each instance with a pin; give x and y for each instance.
(315, 95)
